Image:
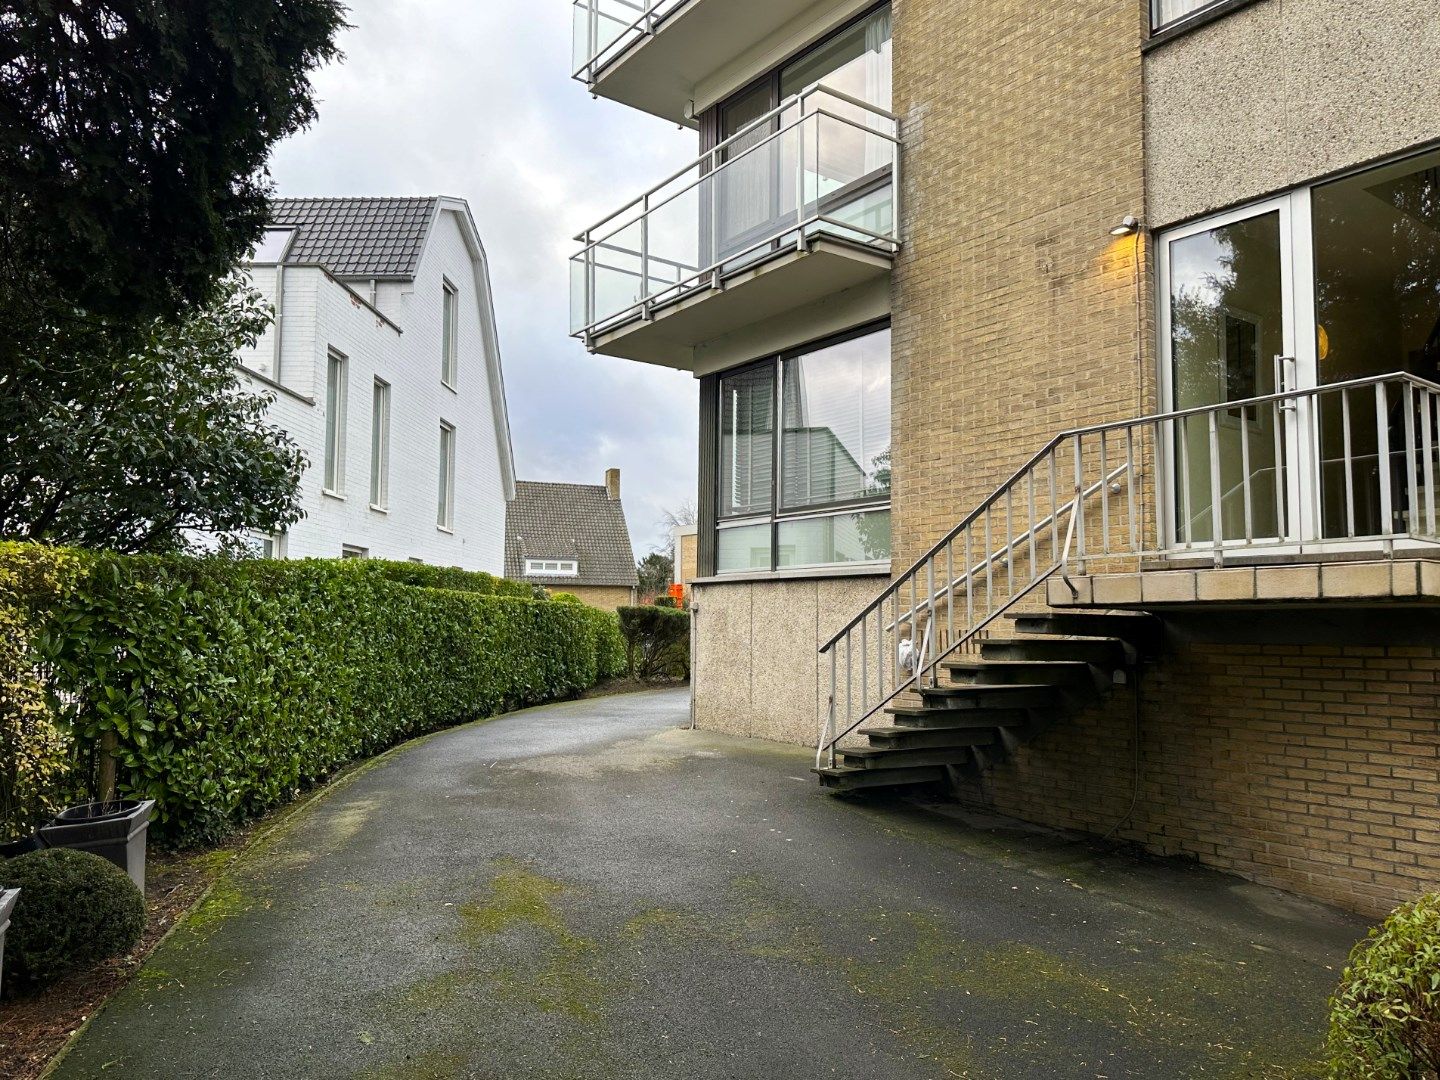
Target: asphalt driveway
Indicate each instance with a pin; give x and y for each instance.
(589, 891)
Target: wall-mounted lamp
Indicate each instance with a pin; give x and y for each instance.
(1129, 225)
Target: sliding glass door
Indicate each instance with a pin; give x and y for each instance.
(1322, 286)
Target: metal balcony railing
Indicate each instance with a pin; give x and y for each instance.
(1348, 466)
(821, 163)
(603, 29)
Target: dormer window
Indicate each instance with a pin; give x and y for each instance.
(552, 568)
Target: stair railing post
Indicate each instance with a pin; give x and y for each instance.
(830, 735)
(929, 618)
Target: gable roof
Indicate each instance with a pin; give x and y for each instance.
(357, 237)
(569, 521)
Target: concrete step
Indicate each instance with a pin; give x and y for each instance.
(914, 738)
(937, 716)
(1011, 696)
(881, 757)
(841, 778)
(1144, 632)
(1110, 653)
(1069, 674)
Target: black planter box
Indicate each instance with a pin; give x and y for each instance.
(12, 848)
(115, 831)
(7, 905)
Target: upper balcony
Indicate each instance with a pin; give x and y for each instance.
(653, 54)
(794, 208)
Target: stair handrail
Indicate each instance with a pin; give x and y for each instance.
(1414, 389)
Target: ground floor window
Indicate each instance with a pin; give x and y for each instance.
(804, 457)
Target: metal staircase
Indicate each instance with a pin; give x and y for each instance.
(982, 707)
(1239, 477)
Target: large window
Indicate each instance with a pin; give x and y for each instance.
(819, 494)
(843, 168)
(380, 446)
(445, 512)
(336, 394)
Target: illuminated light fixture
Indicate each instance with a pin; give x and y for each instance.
(1128, 226)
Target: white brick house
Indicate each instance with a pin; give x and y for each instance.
(385, 367)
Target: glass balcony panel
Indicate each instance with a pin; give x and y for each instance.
(744, 202)
(601, 28)
(616, 277)
(674, 255)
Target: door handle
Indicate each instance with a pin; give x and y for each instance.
(1285, 380)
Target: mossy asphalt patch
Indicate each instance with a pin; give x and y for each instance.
(588, 890)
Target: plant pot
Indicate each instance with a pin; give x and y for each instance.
(25, 844)
(115, 831)
(7, 905)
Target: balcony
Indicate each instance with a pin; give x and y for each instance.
(651, 54)
(761, 230)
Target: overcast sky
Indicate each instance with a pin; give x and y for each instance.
(455, 97)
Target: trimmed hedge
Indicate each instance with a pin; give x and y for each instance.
(230, 685)
(75, 909)
(1385, 1016)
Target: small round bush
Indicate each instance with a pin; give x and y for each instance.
(1385, 1016)
(75, 909)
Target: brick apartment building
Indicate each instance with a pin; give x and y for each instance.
(1067, 404)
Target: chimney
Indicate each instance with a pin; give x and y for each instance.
(612, 484)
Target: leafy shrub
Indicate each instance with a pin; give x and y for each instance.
(657, 641)
(1385, 1016)
(665, 601)
(230, 685)
(35, 750)
(75, 909)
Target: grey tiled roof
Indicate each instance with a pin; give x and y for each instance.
(360, 237)
(568, 521)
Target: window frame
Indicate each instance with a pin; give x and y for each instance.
(445, 501)
(380, 446)
(1183, 24)
(337, 409)
(563, 567)
(449, 334)
(778, 514)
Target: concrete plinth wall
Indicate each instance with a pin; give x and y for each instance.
(1311, 767)
(756, 668)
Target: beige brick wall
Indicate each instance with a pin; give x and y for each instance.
(1313, 768)
(606, 597)
(1016, 314)
(687, 558)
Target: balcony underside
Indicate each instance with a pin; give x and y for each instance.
(781, 292)
(659, 73)
(1349, 582)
